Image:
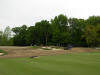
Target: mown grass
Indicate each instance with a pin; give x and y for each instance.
(69, 64)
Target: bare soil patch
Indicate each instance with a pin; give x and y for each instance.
(15, 51)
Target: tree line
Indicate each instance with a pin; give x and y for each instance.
(60, 31)
(5, 37)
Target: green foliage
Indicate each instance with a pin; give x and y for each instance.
(44, 31)
(93, 20)
(20, 34)
(5, 37)
(92, 35)
(76, 30)
(60, 31)
(31, 36)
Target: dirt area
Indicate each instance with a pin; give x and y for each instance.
(15, 51)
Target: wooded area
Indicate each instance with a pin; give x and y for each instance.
(60, 31)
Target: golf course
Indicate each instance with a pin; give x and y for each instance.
(82, 63)
(49, 37)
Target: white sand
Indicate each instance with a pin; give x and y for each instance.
(1, 53)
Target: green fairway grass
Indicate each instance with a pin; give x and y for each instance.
(69, 64)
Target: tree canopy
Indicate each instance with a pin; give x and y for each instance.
(60, 31)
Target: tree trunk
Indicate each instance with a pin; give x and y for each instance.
(46, 40)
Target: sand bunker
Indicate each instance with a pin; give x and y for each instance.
(1, 53)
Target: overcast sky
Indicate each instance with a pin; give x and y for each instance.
(18, 12)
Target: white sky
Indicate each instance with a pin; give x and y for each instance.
(18, 12)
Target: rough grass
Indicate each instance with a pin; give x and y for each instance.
(70, 64)
(35, 47)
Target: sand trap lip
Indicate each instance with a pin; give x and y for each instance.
(1, 53)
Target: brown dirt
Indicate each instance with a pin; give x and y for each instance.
(14, 51)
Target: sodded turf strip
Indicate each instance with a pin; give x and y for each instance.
(70, 64)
